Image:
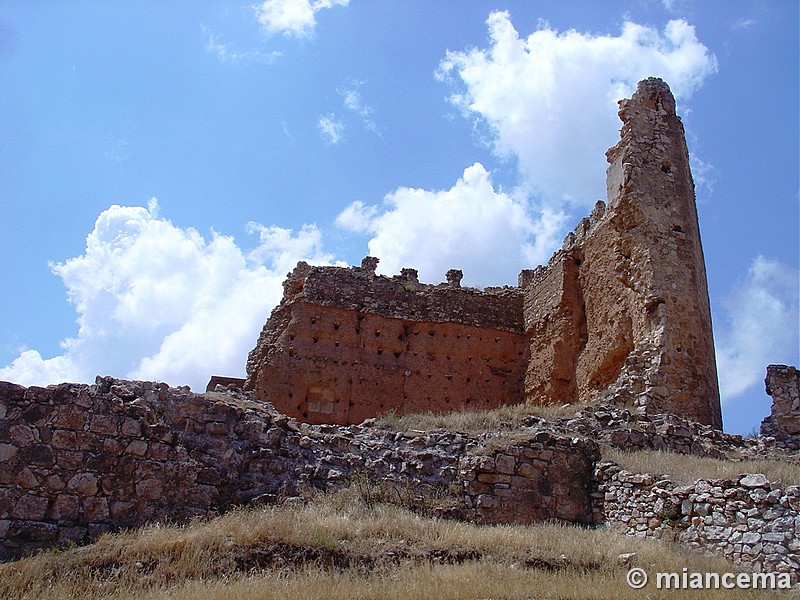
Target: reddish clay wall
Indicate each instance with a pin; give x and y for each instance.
(621, 311)
(338, 350)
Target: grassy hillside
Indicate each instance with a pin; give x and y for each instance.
(341, 546)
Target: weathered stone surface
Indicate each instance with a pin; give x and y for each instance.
(180, 470)
(552, 479)
(783, 423)
(180, 455)
(754, 480)
(621, 310)
(721, 516)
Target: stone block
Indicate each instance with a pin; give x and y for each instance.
(130, 427)
(26, 479)
(33, 531)
(505, 464)
(104, 424)
(84, 484)
(30, 508)
(485, 502)
(754, 480)
(63, 440)
(7, 452)
(71, 535)
(95, 510)
(751, 538)
(66, 507)
(137, 448)
(70, 417)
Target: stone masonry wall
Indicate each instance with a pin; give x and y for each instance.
(620, 311)
(783, 422)
(533, 480)
(78, 460)
(749, 520)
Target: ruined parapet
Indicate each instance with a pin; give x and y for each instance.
(454, 277)
(623, 307)
(345, 345)
(224, 382)
(368, 265)
(620, 311)
(659, 267)
(783, 423)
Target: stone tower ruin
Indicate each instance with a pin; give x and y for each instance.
(621, 312)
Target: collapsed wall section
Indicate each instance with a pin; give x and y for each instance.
(622, 309)
(345, 345)
(783, 423)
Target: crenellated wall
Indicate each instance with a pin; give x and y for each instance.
(621, 312)
(345, 345)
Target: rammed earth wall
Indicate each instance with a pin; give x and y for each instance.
(621, 311)
(345, 345)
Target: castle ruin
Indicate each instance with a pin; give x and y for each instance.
(618, 316)
(621, 312)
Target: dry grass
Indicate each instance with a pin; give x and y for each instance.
(683, 468)
(339, 547)
(504, 418)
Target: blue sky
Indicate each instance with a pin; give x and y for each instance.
(163, 165)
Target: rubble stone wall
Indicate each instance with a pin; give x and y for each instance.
(751, 521)
(78, 460)
(783, 422)
(528, 481)
(620, 311)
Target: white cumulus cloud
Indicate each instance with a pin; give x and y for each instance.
(549, 99)
(156, 301)
(761, 327)
(292, 17)
(488, 234)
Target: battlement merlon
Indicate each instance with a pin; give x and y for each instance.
(404, 297)
(620, 311)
